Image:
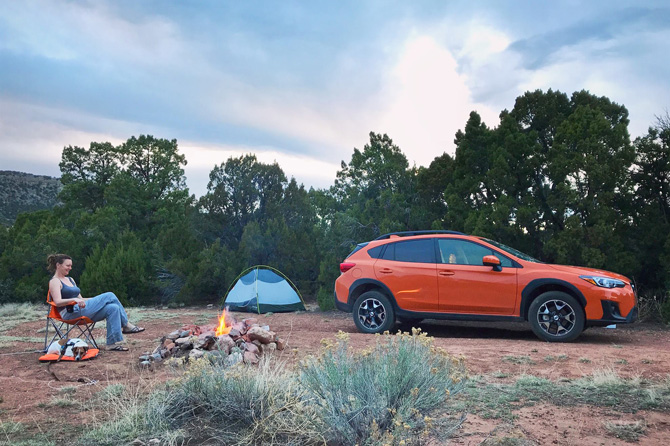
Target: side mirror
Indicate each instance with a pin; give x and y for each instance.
(492, 261)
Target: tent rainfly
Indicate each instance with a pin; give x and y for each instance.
(263, 289)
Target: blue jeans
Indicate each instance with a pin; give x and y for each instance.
(107, 307)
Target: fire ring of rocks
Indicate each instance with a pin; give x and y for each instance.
(230, 342)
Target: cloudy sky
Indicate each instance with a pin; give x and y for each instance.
(304, 82)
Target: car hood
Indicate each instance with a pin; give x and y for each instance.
(580, 270)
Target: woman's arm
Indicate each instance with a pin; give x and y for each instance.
(54, 289)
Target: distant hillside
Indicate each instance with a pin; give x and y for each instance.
(22, 192)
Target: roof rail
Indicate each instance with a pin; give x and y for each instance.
(411, 233)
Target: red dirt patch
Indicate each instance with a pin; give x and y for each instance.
(27, 386)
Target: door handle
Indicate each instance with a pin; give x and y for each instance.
(446, 273)
(386, 270)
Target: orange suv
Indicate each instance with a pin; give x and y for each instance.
(410, 276)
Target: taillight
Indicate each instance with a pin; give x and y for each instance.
(346, 266)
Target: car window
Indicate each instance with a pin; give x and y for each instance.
(462, 252)
(417, 251)
(375, 252)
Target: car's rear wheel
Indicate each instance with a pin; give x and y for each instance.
(373, 312)
(556, 316)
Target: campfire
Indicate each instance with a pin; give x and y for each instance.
(232, 341)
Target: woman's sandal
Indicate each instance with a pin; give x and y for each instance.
(135, 329)
(117, 348)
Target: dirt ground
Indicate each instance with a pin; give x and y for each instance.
(27, 386)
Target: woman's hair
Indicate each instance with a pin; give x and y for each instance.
(55, 259)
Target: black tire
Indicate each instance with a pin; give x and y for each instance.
(373, 313)
(556, 316)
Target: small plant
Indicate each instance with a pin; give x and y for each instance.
(59, 402)
(616, 346)
(519, 359)
(629, 432)
(584, 360)
(384, 394)
(68, 390)
(647, 361)
(112, 391)
(621, 361)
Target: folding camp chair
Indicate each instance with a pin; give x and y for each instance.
(63, 328)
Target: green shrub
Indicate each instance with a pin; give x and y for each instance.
(325, 299)
(384, 393)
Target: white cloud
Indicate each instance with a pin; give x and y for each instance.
(429, 99)
(310, 171)
(90, 32)
(597, 66)
(33, 136)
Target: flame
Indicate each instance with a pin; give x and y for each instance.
(222, 329)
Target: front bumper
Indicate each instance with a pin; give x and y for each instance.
(612, 315)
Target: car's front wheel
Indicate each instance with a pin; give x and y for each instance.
(373, 312)
(556, 317)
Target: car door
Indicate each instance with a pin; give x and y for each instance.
(408, 269)
(467, 286)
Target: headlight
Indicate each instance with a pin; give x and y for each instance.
(605, 282)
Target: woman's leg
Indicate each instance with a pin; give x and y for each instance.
(96, 304)
(107, 307)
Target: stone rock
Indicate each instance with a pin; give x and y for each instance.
(250, 322)
(259, 334)
(250, 358)
(165, 353)
(145, 364)
(184, 343)
(154, 442)
(268, 348)
(208, 331)
(185, 333)
(224, 343)
(234, 333)
(137, 442)
(156, 357)
(266, 327)
(144, 357)
(256, 343)
(232, 359)
(196, 353)
(235, 349)
(281, 344)
(251, 348)
(168, 346)
(174, 335)
(205, 341)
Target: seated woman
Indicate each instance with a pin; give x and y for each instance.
(106, 306)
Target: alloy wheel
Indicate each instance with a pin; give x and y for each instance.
(371, 313)
(556, 317)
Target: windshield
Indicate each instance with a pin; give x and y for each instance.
(512, 251)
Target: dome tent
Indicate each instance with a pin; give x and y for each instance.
(263, 289)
